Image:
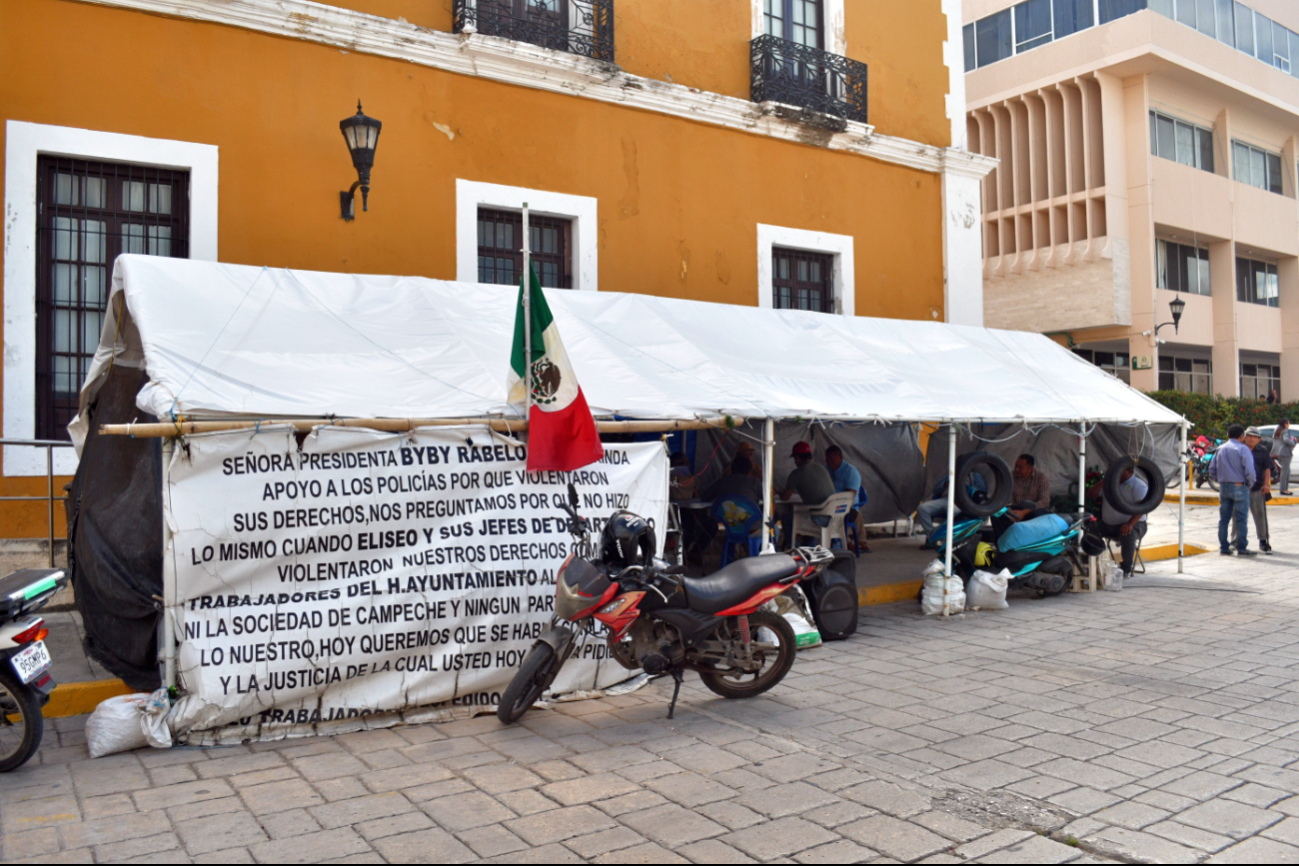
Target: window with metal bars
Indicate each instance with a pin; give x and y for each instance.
(500, 248)
(802, 280)
(88, 213)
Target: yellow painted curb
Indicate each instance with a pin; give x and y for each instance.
(1160, 552)
(888, 593)
(76, 699)
(1212, 499)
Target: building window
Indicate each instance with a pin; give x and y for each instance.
(1032, 24)
(798, 21)
(500, 248)
(1257, 283)
(1237, 25)
(1181, 142)
(1191, 375)
(1256, 167)
(1070, 16)
(802, 280)
(1257, 381)
(88, 213)
(993, 37)
(1182, 268)
(1112, 9)
(1117, 364)
(805, 270)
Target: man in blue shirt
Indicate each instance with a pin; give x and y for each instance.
(1233, 469)
(847, 478)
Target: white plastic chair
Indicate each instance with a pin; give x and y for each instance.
(832, 513)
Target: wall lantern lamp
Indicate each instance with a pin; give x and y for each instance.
(362, 135)
(1176, 306)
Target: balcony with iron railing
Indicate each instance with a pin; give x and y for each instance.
(583, 27)
(809, 78)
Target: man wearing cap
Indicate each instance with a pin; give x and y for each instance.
(1233, 469)
(1261, 490)
(810, 480)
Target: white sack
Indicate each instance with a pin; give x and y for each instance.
(931, 597)
(115, 726)
(987, 591)
(153, 719)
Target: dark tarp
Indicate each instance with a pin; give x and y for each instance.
(114, 512)
(887, 455)
(1056, 450)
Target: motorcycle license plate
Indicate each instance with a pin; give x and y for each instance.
(32, 662)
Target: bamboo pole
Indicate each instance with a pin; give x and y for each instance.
(167, 429)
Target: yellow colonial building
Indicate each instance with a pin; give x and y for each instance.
(784, 153)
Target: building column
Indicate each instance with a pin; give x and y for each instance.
(1226, 349)
(962, 242)
(1288, 273)
(1136, 307)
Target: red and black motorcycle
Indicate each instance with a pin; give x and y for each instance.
(657, 620)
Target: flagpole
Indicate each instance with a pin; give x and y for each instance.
(527, 316)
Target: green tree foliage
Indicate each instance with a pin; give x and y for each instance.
(1212, 415)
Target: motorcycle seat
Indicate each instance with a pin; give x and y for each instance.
(737, 582)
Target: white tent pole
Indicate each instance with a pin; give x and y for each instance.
(768, 483)
(1082, 469)
(1182, 468)
(951, 512)
(527, 317)
(168, 582)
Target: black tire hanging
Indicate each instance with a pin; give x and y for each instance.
(1155, 485)
(998, 494)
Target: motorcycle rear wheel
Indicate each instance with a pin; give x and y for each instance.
(535, 674)
(21, 724)
(776, 661)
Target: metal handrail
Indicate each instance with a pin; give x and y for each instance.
(49, 445)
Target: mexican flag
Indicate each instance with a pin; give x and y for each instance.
(561, 430)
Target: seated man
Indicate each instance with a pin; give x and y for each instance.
(746, 450)
(1030, 484)
(1124, 528)
(933, 512)
(846, 478)
(738, 481)
(810, 480)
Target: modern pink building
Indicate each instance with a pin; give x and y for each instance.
(1148, 153)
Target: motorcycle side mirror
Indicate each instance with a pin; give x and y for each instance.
(572, 495)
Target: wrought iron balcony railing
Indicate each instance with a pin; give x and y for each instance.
(816, 80)
(582, 27)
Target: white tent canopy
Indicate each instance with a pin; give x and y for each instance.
(220, 340)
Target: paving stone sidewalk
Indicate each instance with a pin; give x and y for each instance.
(1159, 724)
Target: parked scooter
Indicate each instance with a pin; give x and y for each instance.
(657, 620)
(25, 681)
(1045, 566)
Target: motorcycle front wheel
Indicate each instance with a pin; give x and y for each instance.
(21, 725)
(535, 674)
(774, 646)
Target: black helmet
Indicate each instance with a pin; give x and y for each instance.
(628, 539)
